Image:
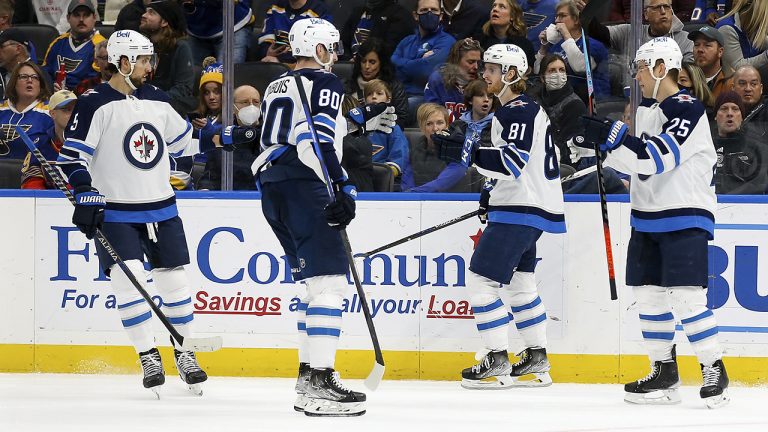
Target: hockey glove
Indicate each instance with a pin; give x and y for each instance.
(608, 135)
(482, 211)
(454, 147)
(341, 211)
(89, 210)
(232, 136)
(373, 117)
(578, 148)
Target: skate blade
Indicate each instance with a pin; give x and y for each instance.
(718, 401)
(497, 382)
(658, 397)
(328, 408)
(156, 391)
(540, 379)
(195, 389)
(300, 403)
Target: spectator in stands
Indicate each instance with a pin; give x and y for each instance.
(14, 49)
(428, 173)
(6, 15)
(209, 104)
(476, 120)
(418, 55)
(101, 60)
(565, 39)
(708, 53)
(537, 15)
(60, 108)
(357, 158)
(745, 33)
(247, 102)
(129, 17)
(373, 63)
(205, 27)
(563, 107)
(273, 41)
(621, 9)
(741, 163)
(390, 149)
(446, 84)
(692, 79)
(506, 26)
(381, 19)
(163, 23)
(748, 84)
(74, 51)
(27, 92)
(461, 18)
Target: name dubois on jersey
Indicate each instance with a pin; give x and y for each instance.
(280, 87)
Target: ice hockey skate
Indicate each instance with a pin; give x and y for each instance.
(714, 391)
(532, 370)
(301, 387)
(154, 374)
(329, 398)
(190, 371)
(659, 387)
(492, 373)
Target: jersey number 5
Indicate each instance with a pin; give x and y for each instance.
(74, 122)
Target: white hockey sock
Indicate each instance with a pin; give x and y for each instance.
(690, 306)
(656, 321)
(527, 309)
(301, 325)
(177, 300)
(490, 314)
(134, 311)
(324, 318)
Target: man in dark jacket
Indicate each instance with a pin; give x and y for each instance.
(382, 19)
(461, 18)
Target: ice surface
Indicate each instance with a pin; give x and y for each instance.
(117, 403)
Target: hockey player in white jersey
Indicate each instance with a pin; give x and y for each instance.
(115, 156)
(526, 200)
(673, 200)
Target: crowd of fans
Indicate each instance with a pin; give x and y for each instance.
(424, 57)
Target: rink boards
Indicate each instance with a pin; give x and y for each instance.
(58, 315)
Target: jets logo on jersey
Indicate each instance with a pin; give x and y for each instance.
(684, 98)
(69, 64)
(143, 146)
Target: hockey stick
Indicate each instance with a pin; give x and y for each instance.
(374, 378)
(422, 233)
(213, 343)
(586, 17)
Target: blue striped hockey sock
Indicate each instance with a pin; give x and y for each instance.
(656, 321)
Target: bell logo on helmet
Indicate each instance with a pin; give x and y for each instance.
(121, 34)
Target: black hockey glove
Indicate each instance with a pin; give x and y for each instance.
(608, 135)
(454, 147)
(482, 211)
(341, 211)
(373, 117)
(89, 210)
(232, 136)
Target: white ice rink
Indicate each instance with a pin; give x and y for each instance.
(118, 403)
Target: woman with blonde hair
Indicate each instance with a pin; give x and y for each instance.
(745, 33)
(506, 26)
(691, 78)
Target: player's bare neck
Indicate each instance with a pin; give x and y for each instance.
(118, 83)
(667, 88)
(508, 96)
(306, 63)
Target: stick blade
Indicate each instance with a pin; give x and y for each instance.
(375, 377)
(205, 344)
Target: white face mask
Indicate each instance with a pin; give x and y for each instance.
(248, 115)
(555, 81)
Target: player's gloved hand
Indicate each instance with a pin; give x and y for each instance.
(608, 135)
(89, 210)
(578, 148)
(373, 117)
(341, 211)
(454, 147)
(232, 136)
(482, 211)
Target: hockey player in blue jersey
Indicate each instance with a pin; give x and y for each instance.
(672, 160)
(115, 156)
(526, 200)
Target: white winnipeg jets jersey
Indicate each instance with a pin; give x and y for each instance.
(672, 163)
(524, 162)
(124, 142)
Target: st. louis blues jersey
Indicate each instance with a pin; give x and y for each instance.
(672, 164)
(524, 162)
(78, 60)
(35, 121)
(124, 142)
(285, 126)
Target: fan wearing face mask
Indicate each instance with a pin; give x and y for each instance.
(384, 20)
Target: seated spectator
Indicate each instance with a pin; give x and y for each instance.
(506, 26)
(14, 50)
(27, 92)
(208, 112)
(748, 84)
(428, 173)
(129, 17)
(101, 59)
(563, 107)
(537, 14)
(621, 10)
(73, 51)
(6, 14)
(205, 21)
(446, 84)
(371, 63)
(708, 54)
(163, 23)
(461, 18)
(390, 149)
(247, 112)
(745, 34)
(64, 25)
(418, 55)
(692, 79)
(565, 39)
(382, 19)
(709, 11)
(357, 159)
(273, 41)
(741, 163)
(475, 123)
(60, 108)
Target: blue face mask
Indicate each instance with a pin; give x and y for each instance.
(429, 22)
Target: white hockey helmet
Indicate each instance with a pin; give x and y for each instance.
(506, 56)
(130, 44)
(660, 48)
(307, 33)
